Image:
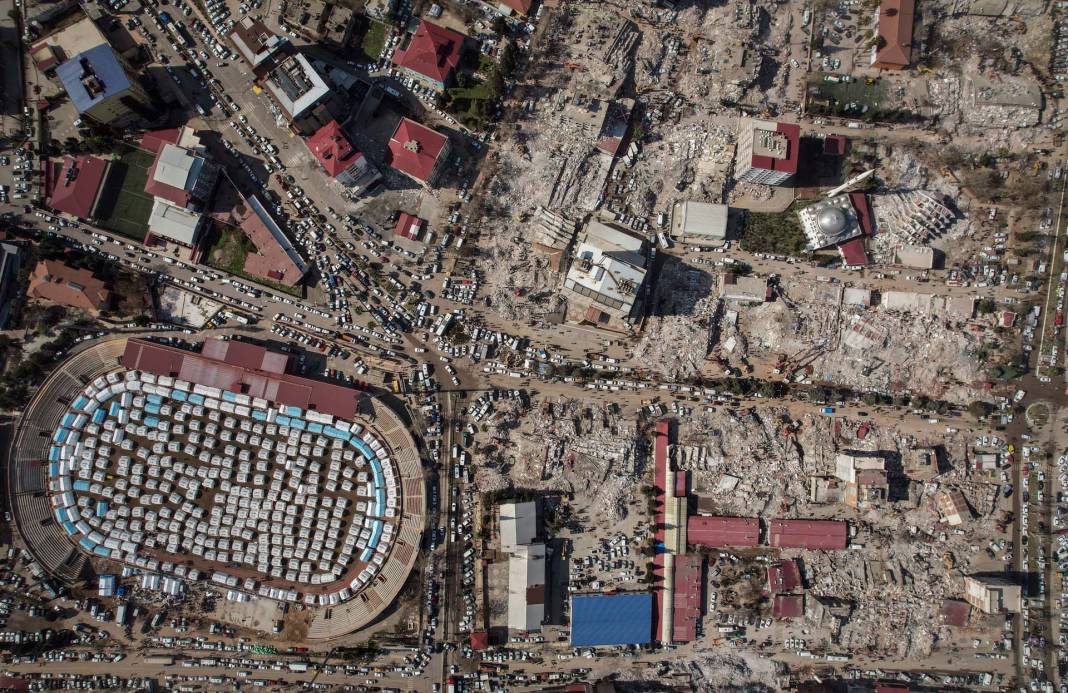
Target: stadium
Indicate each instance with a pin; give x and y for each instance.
(221, 466)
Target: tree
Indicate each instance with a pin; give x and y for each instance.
(986, 306)
(870, 398)
(500, 25)
(772, 389)
(506, 59)
(980, 409)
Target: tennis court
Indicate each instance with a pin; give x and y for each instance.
(124, 205)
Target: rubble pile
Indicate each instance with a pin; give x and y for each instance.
(916, 216)
(857, 345)
(675, 340)
(751, 191)
(731, 673)
(511, 269)
(577, 447)
(724, 444)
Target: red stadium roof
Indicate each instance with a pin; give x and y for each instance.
(788, 606)
(245, 355)
(414, 149)
(719, 532)
(784, 577)
(241, 369)
(332, 149)
(686, 602)
(76, 185)
(808, 534)
(433, 51)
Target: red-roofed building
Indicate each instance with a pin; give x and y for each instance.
(853, 252)
(686, 600)
(343, 162)
(77, 288)
(75, 185)
(788, 606)
(767, 152)
(480, 640)
(891, 688)
(154, 141)
(784, 577)
(682, 485)
(518, 6)
(417, 151)
(410, 227)
(862, 206)
(46, 56)
(275, 257)
(893, 44)
(721, 532)
(13, 683)
(834, 145)
(808, 534)
(431, 56)
(955, 612)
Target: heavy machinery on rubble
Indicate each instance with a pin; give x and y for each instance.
(789, 366)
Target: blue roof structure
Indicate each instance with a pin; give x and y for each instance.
(611, 619)
(92, 76)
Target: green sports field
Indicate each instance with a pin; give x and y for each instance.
(124, 205)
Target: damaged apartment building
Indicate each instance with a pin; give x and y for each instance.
(605, 284)
(327, 23)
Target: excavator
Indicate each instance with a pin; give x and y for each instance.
(789, 366)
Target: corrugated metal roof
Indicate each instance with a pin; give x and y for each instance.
(611, 619)
(784, 577)
(720, 532)
(518, 524)
(808, 534)
(686, 601)
(788, 606)
(526, 587)
(174, 223)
